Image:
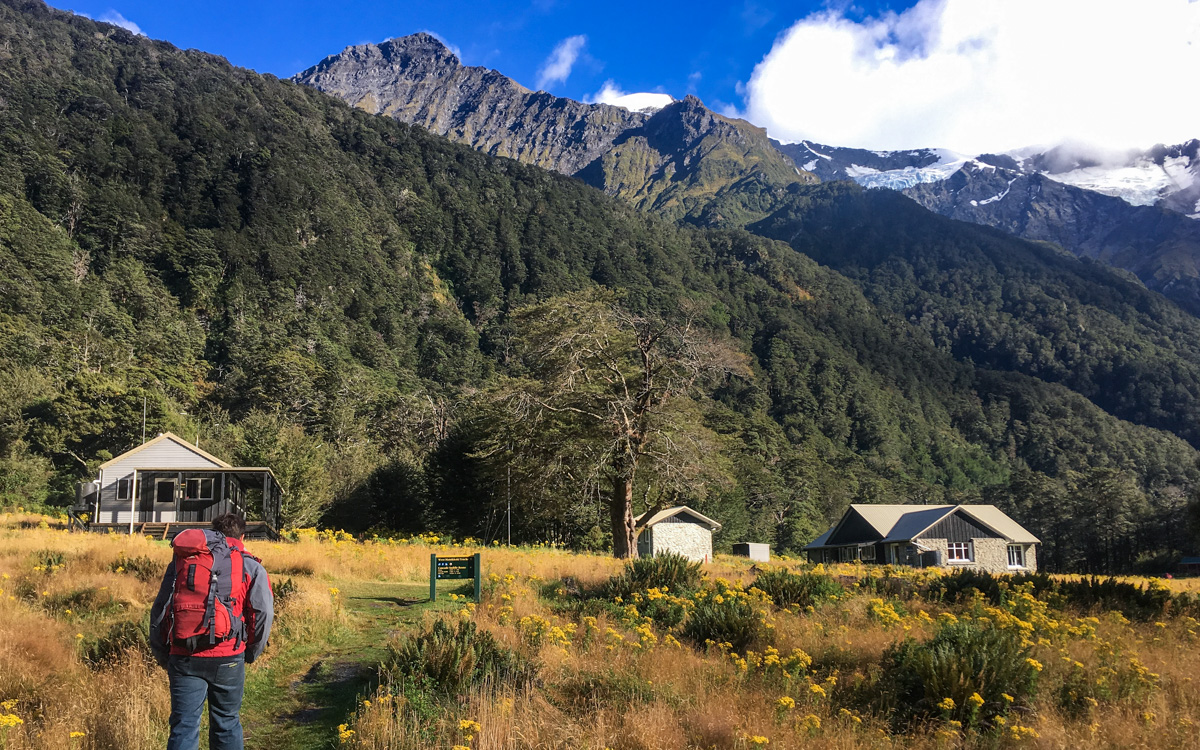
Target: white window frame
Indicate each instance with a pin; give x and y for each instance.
(867, 554)
(124, 487)
(967, 548)
(1020, 550)
(847, 554)
(199, 488)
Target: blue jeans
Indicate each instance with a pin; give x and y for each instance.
(220, 679)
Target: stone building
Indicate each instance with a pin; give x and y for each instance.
(680, 530)
(968, 536)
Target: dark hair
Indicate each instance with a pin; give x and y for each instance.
(230, 524)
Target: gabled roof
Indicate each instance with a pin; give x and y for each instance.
(173, 438)
(902, 523)
(884, 518)
(916, 520)
(666, 513)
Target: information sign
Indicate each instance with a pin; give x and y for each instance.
(454, 568)
(449, 568)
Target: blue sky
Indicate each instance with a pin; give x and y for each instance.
(967, 75)
(677, 47)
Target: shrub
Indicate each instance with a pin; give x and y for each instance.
(1134, 601)
(595, 540)
(49, 561)
(453, 659)
(143, 568)
(121, 637)
(726, 618)
(974, 667)
(285, 590)
(803, 589)
(672, 572)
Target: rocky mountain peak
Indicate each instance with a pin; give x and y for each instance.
(664, 159)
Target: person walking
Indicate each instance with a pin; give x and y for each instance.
(211, 618)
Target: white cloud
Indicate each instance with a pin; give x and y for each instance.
(612, 94)
(558, 65)
(116, 19)
(982, 75)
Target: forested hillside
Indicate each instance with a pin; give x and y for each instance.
(300, 284)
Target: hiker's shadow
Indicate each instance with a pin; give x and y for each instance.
(384, 601)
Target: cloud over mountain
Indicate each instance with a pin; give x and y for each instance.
(611, 93)
(978, 75)
(558, 65)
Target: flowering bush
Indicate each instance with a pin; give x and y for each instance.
(668, 572)
(456, 658)
(728, 614)
(968, 672)
(788, 589)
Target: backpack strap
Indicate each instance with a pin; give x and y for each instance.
(238, 590)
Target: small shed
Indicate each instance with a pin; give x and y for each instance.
(680, 530)
(1188, 567)
(755, 551)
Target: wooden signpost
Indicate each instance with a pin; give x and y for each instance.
(454, 568)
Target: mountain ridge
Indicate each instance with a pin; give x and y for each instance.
(673, 160)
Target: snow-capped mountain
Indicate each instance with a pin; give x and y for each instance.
(1164, 176)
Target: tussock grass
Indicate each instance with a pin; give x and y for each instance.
(598, 672)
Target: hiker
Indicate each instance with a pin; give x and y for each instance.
(212, 616)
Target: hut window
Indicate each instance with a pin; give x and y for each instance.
(200, 489)
(959, 552)
(123, 486)
(867, 553)
(1016, 556)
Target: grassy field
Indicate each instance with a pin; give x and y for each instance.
(560, 654)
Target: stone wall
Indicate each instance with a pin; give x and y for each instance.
(991, 555)
(691, 540)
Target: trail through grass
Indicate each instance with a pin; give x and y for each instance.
(308, 689)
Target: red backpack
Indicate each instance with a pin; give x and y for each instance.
(206, 603)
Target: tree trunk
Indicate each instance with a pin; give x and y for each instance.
(624, 528)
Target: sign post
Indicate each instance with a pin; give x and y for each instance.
(454, 568)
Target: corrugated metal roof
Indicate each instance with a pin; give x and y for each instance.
(666, 513)
(884, 518)
(917, 520)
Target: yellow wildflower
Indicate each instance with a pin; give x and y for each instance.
(786, 702)
(976, 700)
(947, 704)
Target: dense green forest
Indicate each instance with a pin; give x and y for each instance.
(340, 296)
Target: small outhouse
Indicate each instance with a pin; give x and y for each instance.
(680, 530)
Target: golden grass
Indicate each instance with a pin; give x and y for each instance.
(635, 695)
